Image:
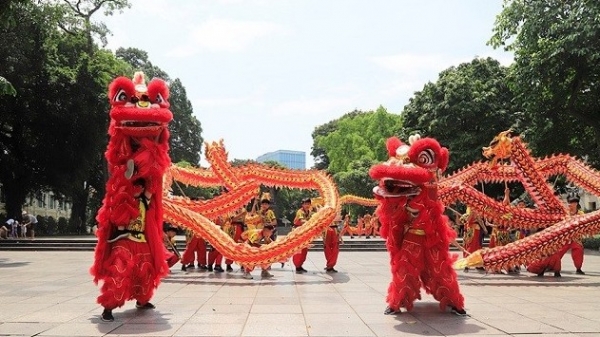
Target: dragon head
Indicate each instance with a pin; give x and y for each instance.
(500, 147)
(138, 110)
(410, 167)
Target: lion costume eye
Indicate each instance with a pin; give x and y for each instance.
(159, 98)
(120, 96)
(426, 158)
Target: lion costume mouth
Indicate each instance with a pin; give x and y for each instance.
(390, 188)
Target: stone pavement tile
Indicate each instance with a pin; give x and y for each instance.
(162, 317)
(463, 326)
(276, 308)
(277, 300)
(217, 328)
(415, 328)
(380, 318)
(573, 323)
(225, 308)
(46, 316)
(332, 318)
(275, 325)
(370, 308)
(24, 329)
(146, 329)
(233, 318)
(367, 298)
(503, 299)
(223, 300)
(358, 329)
(324, 309)
(47, 299)
(81, 329)
(521, 326)
(589, 314)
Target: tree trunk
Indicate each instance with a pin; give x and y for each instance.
(16, 193)
(78, 212)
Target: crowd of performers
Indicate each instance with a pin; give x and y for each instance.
(474, 228)
(257, 229)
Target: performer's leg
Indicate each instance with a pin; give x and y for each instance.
(299, 260)
(577, 255)
(188, 255)
(332, 256)
(116, 287)
(201, 247)
(440, 280)
(143, 276)
(405, 287)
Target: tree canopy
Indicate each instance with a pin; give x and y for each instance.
(355, 136)
(556, 72)
(463, 109)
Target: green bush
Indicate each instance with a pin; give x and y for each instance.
(592, 243)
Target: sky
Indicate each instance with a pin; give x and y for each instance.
(262, 74)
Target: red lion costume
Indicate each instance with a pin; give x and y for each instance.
(130, 256)
(412, 222)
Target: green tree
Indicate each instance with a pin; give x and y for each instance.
(555, 76)
(186, 130)
(6, 88)
(320, 154)
(358, 136)
(464, 109)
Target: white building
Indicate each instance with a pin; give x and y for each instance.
(43, 204)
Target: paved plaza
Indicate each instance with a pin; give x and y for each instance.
(51, 294)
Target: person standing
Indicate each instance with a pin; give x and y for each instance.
(268, 216)
(195, 249)
(256, 238)
(171, 253)
(553, 262)
(473, 232)
(302, 216)
(331, 245)
(29, 221)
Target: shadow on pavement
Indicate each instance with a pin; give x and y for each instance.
(5, 263)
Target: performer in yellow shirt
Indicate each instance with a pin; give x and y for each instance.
(256, 238)
(302, 216)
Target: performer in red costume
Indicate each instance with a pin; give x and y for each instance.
(331, 245)
(472, 236)
(412, 222)
(130, 257)
(302, 216)
(195, 249)
(553, 262)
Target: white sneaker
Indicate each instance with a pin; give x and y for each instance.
(266, 274)
(247, 276)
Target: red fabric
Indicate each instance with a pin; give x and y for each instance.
(127, 270)
(331, 247)
(215, 257)
(130, 274)
(554, 261)
(417, 241)
(471, 240)
(300, 257)
(577, 254)
(195, 249)
(172, 259)
(237, 237)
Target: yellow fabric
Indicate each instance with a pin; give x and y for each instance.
(267, 217)
(302, 216)
(138, 225)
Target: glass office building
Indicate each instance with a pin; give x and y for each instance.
(290, 159)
